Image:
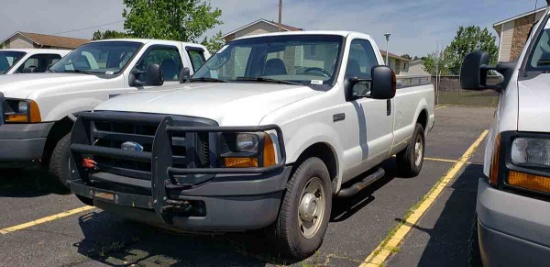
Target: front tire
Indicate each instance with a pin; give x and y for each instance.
(59, 162)
(305, 210)
(410, 160)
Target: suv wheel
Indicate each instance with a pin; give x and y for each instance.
(305, 210)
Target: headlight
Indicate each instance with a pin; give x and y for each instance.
(531, 152)
(242, 150)
(20, 111)
(521, 161)
(247, 142)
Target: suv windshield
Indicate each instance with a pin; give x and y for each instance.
(303, 59)
(8, 59)
(107, 57)
(540, 56)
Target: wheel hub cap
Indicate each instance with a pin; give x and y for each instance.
(308, 207)
(311, 209)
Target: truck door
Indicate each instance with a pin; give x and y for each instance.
(167, 57)
(375, 116)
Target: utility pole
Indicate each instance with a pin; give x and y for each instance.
(280, 13)
(387, 48)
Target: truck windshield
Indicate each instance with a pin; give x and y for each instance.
(303, 59)
(107, 57)
(539, 59)
(8, 59)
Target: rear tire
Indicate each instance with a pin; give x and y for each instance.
(410, 160)
(59, 162)
(305, 210)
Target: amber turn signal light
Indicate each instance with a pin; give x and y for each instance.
(529, 181)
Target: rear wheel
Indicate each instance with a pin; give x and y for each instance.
(305, 211)
(410, 160)
(59, 162)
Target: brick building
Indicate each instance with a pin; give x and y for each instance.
(513, 33)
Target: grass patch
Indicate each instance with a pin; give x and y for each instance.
(486, 98)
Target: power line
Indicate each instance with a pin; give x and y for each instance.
(90, 27)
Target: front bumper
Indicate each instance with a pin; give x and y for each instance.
(22, 143)
(175, 177)
(513, 230)
(232, 203)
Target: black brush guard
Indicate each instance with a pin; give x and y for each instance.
(163, 173)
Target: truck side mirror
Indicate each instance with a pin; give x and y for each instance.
(473, 72)
(384, 82)
(475, 68)
(153, 74)
(185, 74)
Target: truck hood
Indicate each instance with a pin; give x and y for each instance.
(230, 104)
(24, 85)
(534, 110)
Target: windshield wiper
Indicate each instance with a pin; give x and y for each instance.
(206, 79)
(265, 79)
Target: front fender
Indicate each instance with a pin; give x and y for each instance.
(304, 136)
(66, 108)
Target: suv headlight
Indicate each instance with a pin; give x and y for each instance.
(21, 111)
(521, 161)
(242, 150)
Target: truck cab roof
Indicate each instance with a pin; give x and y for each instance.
(339, 33)
(146, 41)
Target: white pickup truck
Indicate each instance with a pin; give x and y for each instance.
(29, 60)
(513, 195)
(36, 110)
(264, 134)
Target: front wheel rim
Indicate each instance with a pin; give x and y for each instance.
(418, 150)
(311, 209)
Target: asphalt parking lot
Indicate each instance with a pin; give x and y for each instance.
(34, 231)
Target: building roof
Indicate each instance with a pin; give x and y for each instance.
(283, 27)
(51, 40)
(519, 16)
(392, 55)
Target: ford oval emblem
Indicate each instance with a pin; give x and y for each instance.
(132, 146)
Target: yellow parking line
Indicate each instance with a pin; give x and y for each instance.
(45, 220)
(441, 160)
(379, 256)
(439, 107)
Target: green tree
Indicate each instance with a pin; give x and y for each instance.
(182, 20)
(215, 43)
(406, 56)
(437, 62)
(469, 39)
(110, 34)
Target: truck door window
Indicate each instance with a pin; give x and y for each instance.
(167, 57)
(360, 62)
(8, 59)
(196, 55)
(540, 56)
(40, 62)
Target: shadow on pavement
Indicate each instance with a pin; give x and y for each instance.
(30, 182)
(450, 237)
(115, 241)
